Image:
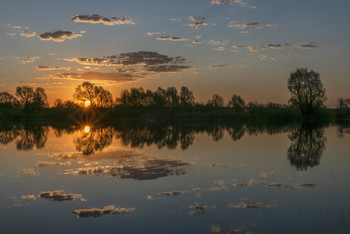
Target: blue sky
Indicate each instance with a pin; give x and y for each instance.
(226, 46)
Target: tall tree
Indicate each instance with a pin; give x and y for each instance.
(186, 97)
(40, 98)
(236, 102)
(8, 99)
(216, 101)
(86, 92)
(104, 98)
(307, 91)
(26, 97)
(172, 98)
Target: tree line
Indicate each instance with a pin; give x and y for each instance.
(308, 95)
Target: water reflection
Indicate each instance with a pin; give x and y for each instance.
(27, 137)
(306, 149)
(91, 140)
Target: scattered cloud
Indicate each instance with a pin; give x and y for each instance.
(246, 205)
(153, 33)
(307, 45)
(223, 43)
(196, 42)
(59, 36)
(97, 19)
(11, 34)
(221, 48)
(110, 76)
(46, 68)
(168, 68)
(255, 25)
(274, 46)
(49, 163)
(250, 48)
(28, 34)
(266, 174)
(27, 172)
(172, 193)
(231, 2)
(198, 21)
(59, 195)
(216, 67)
(266, 56)
(27, 59)
(169, 38)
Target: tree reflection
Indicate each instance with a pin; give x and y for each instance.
(96, 139)
(306, 149)
(27, 137)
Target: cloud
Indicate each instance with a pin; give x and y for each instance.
(221, 48)
(27, 59)
(308, 45)
(265, 56)
(139, 58)
(16, 27)
(169, 38)
(28, 34)
(255, 25)
(212, 42)
(216, 67)
(197, 24)
(153, 33)
(46, 68)
(274, 46)
(196, 42)
(97, 19)
(250, 48)
(59, 36)
(199, 20)
(229, 2)
(111, 76)
(168, 68)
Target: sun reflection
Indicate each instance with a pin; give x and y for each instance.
(87, 103)
(87, 129)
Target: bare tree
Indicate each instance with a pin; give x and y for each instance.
(216, 101)
(186, 97)
(26, 97)
(236, 102)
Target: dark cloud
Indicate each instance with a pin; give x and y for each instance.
(169, 38)
(168, 68)
(199, 20)
(96, 19)
(59, 36)
(95, 212)
(275, 46)
(216, 67)
(46, 68)
(308, 45)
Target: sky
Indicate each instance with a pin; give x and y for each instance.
(225, 47)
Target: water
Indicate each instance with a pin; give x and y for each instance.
(201, 178)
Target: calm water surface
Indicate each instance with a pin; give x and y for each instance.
(174, 179)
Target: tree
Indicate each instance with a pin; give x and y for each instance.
(307, 91)
(96, 95)
(236, 102)
(8, 99)
(172, 99)
(186, 97)
(26, 97)
(216, 101)
(40, 98)
(104, 98)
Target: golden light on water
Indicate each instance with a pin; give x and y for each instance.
(87, 103)
(87, 129)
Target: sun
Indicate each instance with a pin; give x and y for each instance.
(87, 129)
(87, 103)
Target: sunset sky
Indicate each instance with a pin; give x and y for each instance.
(244, 47)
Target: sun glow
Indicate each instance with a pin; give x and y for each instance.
(87, 129)
(87, 103)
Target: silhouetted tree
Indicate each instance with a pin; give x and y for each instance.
(306, 149)
(160, 97)
(104, 98)
(8, 99)
(236, 102)
(26, 97)
(40, 98)
(216, 101)
(172, 98)
(86, 92)
(30, 136)
(186, 97)
(343, 103)
(307, 91)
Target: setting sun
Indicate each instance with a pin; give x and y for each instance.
(87, 129)
(87, 103)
